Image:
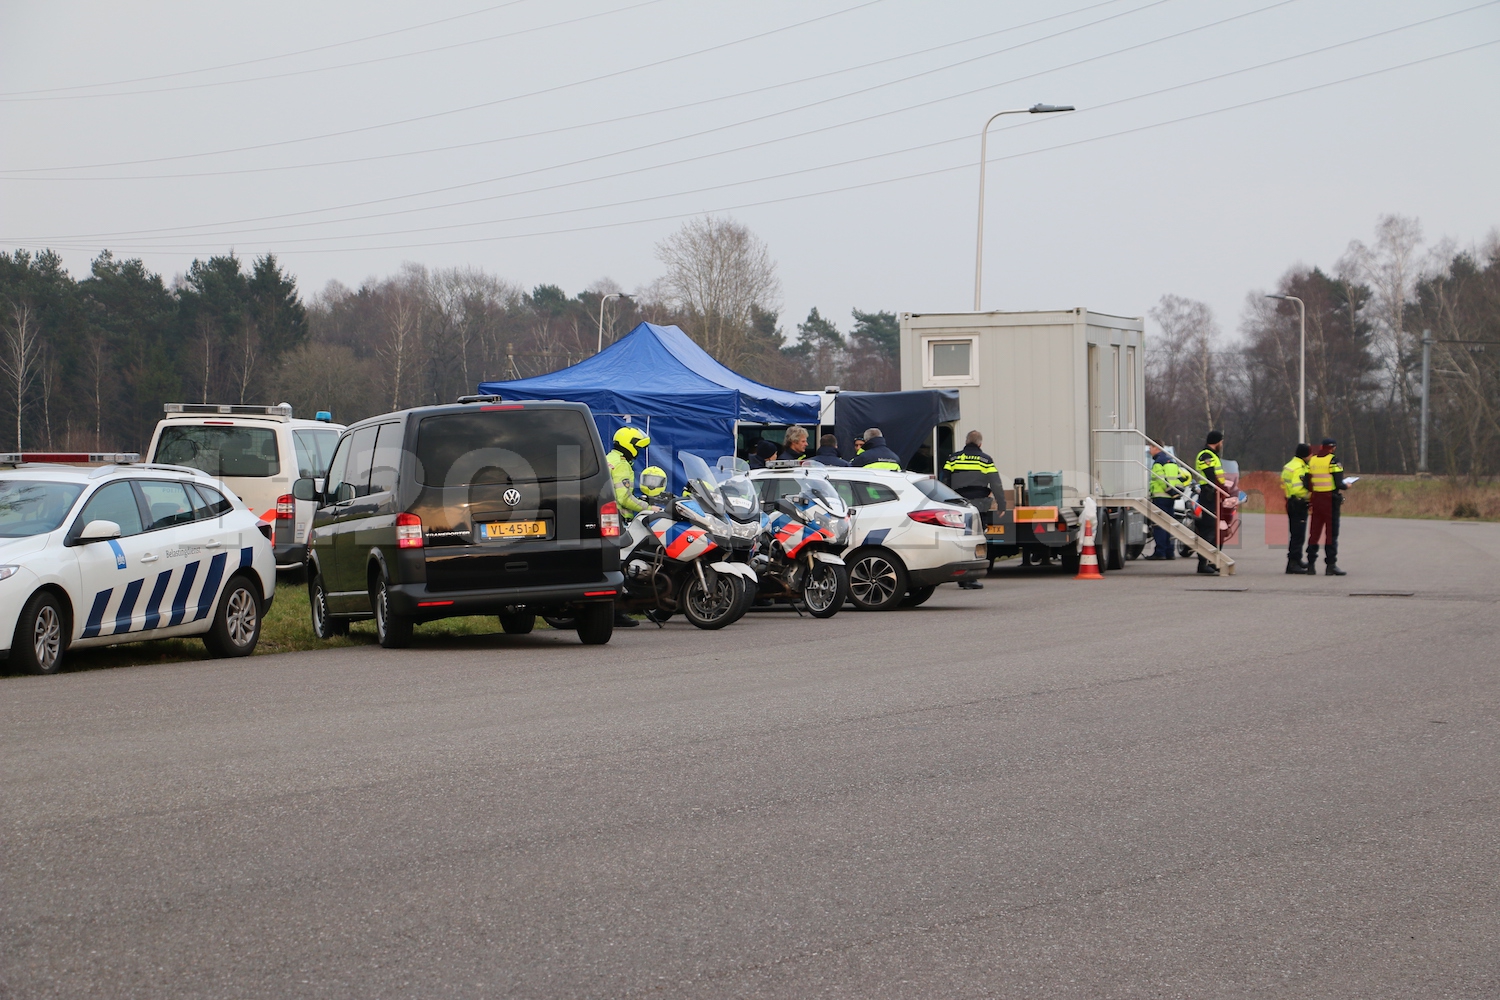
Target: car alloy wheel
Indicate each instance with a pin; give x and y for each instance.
(47, 637)
(873, 580)
(241, 617)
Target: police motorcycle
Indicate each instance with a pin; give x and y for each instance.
(798, 556)
(691, 554)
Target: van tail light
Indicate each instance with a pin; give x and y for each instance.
(937, 515)
(285, 510)
(609, 520)
(408, 531)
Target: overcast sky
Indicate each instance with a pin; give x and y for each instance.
(1217, 142)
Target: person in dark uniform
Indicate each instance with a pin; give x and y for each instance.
(1294, 477)
(876, 455)
(1325, 478)
(1207, 523)
(828, 452)
(972, 475)
(764, 452)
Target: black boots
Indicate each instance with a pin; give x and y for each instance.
(1332, 569)
(1296, 566)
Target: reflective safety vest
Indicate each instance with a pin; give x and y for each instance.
(1210, 466)
(1167, 478)
(1322, 468)
(1291, 479)
(971, 474)
(622, 476)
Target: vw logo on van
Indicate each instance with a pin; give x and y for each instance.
(511, 497)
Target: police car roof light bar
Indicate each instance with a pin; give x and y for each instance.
(70, 457)
(283, 410)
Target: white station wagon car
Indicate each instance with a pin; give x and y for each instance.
(910, 532)
(122, 552)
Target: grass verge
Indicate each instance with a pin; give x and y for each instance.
(1390, 496)
(287, 628)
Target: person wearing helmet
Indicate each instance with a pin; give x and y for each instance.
(628, 443)
(653, 482)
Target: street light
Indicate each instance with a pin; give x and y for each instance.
(984, 136)
(1302, 367)
(611, 295)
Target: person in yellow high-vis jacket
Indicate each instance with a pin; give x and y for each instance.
(628, 443)
(1325, 478)
(1211, 468)
(1294, 487)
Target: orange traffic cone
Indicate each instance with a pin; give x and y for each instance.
(1088, 562)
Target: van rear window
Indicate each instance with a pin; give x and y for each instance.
(249, 452)
(485, 447)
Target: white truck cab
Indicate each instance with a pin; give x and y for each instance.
(257, 452)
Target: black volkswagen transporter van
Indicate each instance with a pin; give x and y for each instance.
(479, 507)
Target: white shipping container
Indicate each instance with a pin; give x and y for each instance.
(1050, 390)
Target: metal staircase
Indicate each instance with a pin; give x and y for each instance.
(1216, 556)
(1121, 478)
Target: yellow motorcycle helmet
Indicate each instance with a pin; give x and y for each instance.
(630, 441)
(653, 481)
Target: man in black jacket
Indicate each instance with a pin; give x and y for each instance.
(972, 475)
(828, 452)
(876, 455)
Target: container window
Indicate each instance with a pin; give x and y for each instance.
(951, 361)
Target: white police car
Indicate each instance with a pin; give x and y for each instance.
(118, 552)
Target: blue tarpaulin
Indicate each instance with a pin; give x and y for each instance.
(657, 379)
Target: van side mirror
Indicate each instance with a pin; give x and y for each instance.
(98, 531)
(305, 489)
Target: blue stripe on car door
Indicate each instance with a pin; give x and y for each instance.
(96, 614)
(877, 536)
(211, 585)
(127, 605)
(153, 606)
(179, 602)
(247, 557)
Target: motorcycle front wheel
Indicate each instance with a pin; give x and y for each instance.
(826, 589)
(719, 605)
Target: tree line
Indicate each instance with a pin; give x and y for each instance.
(1366, 319)
(87, 362)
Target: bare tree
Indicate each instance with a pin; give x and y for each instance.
(1181, 364)
(96, 362)
(19, 354)
(401, 311)
(717, 273)
(1391, 269)
(248, 354)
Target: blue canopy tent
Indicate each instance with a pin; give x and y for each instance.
(657, 379)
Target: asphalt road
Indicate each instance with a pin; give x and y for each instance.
(1160, 785)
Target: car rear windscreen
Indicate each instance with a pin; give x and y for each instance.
(249, 452)
(485, 447)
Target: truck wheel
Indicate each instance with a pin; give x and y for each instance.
(393, 631)
(236, 627)
(596, 623)
(41, 635)
(877, 580)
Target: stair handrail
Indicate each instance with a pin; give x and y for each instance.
(1190, 469)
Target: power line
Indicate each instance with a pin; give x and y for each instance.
(454, 111)
(175, 233)
(601, 121)
(349, 65)
(875, 183)
(22, 94)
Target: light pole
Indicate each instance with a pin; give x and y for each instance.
(1301, 367)
(984, 137)
(1426, 389)
(611, 295)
